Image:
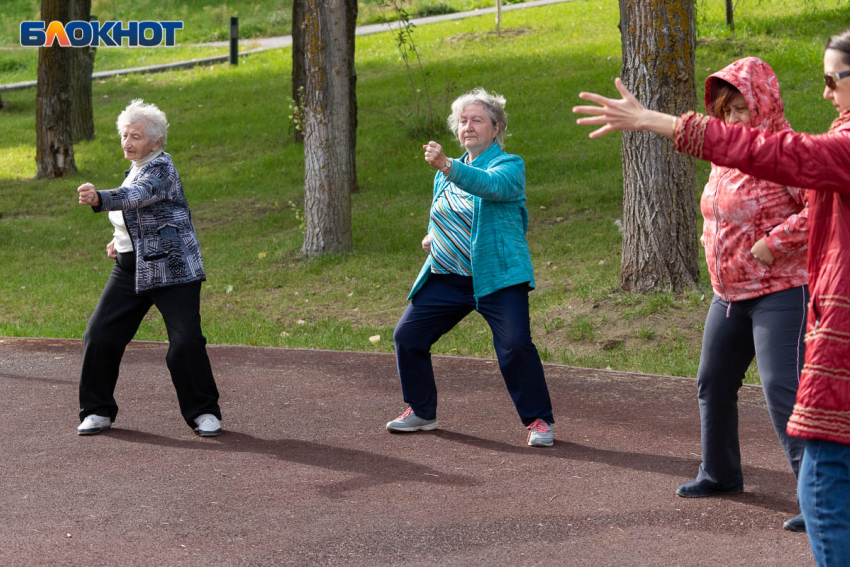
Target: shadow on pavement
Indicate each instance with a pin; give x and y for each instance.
(375, 469)
(643, 462)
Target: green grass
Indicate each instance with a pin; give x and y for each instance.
(205, 21)
(581, 329)
(22, 64)
(230, 139)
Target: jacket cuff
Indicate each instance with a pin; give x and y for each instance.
(689, 135)
(102, 196)
(773, 244)
(453, 172)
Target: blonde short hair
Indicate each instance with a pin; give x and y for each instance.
(156, 125)
(492, 103)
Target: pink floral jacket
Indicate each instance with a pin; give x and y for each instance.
(740, 209)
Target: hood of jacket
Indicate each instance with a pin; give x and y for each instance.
(760, 87)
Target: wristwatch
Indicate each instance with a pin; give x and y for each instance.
(447, 167)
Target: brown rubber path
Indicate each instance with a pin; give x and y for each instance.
(305, 473)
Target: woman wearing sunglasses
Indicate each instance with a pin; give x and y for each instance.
(820, 163)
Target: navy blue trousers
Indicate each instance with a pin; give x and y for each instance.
(771, 328)
(440, 305)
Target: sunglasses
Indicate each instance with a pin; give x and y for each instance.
(832, 78)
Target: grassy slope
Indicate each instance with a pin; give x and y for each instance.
(229, 136)
(204, 21)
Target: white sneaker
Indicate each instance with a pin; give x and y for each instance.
(540, 434)
(93, 424)
(208, 425)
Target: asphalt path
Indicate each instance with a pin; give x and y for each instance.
(305, 473)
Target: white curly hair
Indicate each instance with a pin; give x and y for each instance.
(492, 103)
(156, 125)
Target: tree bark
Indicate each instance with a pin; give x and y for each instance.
(54, 154)
(328, 156)
(82, 113)
(299, 76)
(660, 245)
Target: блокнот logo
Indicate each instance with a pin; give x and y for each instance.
(106, 34)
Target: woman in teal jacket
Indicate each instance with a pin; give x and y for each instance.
(478, 259)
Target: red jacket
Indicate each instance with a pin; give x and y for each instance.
(822, 164)
(740, 209)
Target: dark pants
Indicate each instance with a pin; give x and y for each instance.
(440, 305)
(770, 327)
(114, 323)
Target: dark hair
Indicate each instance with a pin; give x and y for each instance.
(724, 91)
(841, 42)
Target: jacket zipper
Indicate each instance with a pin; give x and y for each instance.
(716, 247)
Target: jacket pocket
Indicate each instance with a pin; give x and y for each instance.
(503, 253)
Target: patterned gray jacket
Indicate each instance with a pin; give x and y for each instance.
(160, 225)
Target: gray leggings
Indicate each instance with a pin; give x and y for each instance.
(771, 328)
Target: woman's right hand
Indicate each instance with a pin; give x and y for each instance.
(110, 250)
(426, 244)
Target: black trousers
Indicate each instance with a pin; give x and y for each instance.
(114, 323)
(771, 328)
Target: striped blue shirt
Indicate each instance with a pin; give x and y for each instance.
(451, 233)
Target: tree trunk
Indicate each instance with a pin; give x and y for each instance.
(660, 246)
(54, 153)
(299, 77)
(327, 123)
(351, 8)
(1, 102)
(82, 114)
(730, 17)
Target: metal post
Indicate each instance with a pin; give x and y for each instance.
(234, 40)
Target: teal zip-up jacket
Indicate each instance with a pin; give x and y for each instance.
(500, 256)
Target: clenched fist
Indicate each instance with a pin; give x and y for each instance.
(88, 195)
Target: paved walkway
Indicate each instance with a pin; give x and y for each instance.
(263, 44)
(305, 473)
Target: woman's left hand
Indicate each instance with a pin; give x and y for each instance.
(434, 155)
(88, 195)
(762, 252)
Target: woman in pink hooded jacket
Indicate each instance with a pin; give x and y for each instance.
(755, 235)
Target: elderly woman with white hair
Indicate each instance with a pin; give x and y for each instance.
(157, 262)
(478, 259)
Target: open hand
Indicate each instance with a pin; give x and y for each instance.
(626, 113)
(88, 195)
